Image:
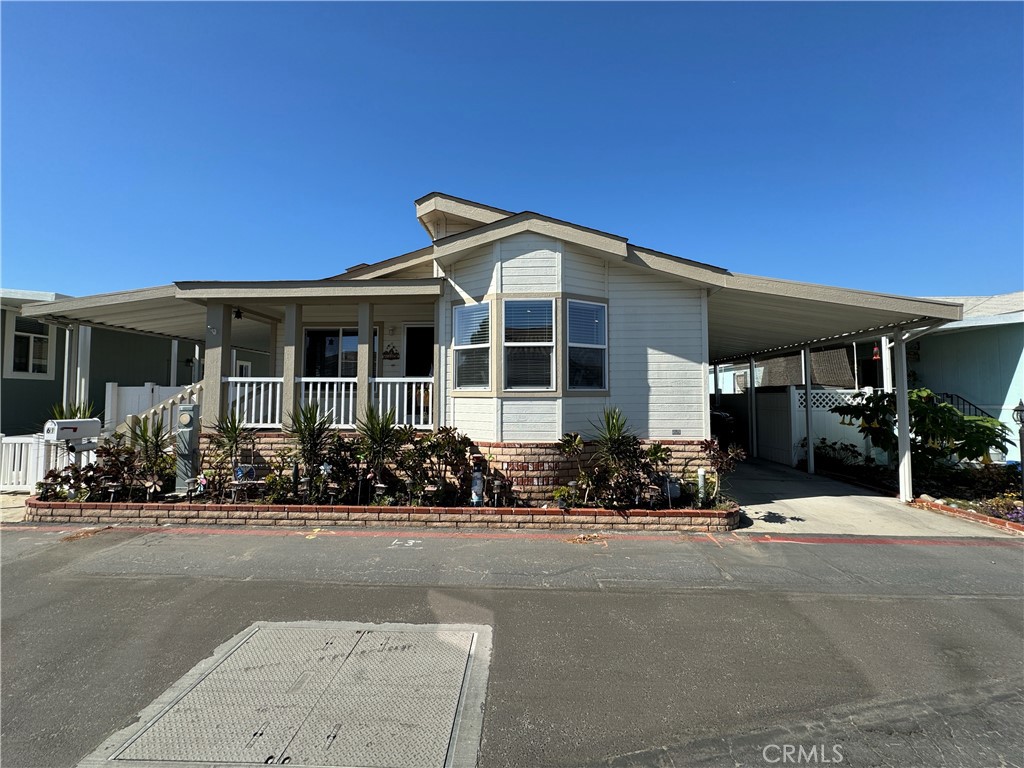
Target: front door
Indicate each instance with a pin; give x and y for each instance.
(419, 350)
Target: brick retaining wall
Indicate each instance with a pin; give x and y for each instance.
(139, 513)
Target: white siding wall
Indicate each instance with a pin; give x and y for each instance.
(474, 274)
(579, 412)
(475, 416)
(584, 275)
(529, 264)
(530, 420)
(656, 341)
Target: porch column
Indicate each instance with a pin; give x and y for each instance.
(808, 410)
(217, 363)
(903, 419)
(752, 402)
(291, 361)
(173, 379)
(364, 360)
(718, 387)
(70, 365)
(272, 356)
(83, 357)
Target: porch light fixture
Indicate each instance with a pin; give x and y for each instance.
(238, 313)
(876, 354)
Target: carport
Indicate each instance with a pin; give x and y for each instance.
(752, 318)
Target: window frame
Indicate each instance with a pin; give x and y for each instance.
(10, 331)
(569, 345)
(506, 345)
(456, 347)
(374, 351)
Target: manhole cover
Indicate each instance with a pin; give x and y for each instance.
(319, 694)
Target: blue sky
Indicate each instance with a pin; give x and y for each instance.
(874, 146)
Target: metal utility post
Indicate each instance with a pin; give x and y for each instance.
(752, 401)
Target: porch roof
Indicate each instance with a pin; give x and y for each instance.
(178, 311)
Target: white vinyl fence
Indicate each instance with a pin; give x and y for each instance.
(25, 460)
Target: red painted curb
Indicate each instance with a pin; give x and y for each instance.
(966, 514)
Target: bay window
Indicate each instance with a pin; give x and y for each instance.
(529, 344)
(588, 345)
(472, 346)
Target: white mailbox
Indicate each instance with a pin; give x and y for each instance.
(59, 430)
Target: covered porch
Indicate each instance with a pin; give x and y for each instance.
(344, 345)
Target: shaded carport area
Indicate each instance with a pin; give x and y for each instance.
(755, 318)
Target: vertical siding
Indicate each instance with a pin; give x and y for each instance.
(584, 275)
(475, 416)
(529, 264)
(530, 420)
(656, 354)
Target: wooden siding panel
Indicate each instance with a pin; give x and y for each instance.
(584, 275)
(529, 264)
(529, 420)
(473, 274)
(474, 416)
(656, 354)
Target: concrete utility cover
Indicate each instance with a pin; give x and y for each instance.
(320, 694)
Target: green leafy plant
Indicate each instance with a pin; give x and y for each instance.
(623, 471)
(152, 443)
(73, 411)
(939, 432)
(722, 463)
(313, 435)
(380, 440)
(230, 436)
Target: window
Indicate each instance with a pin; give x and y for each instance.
(29, 350)
(588, 345)
(333, 353)
(529, 344)
(472, 346)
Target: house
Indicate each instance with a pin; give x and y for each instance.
(513, 327)
(977, 364)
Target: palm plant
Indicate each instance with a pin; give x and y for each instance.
(230, 435)
(312, 432)
(152, 443)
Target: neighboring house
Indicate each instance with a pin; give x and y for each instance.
(513, 327)
(978, 361)
(36, 358)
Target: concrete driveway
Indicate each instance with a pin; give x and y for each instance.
(779, 499)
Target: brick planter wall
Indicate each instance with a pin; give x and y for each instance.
(533, 469)
(140, 513)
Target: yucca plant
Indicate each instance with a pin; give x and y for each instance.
(152, 443)
(312, 432)
(380, 441)
(230, 435)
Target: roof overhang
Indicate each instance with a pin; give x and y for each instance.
(179, 311)
(761, 317)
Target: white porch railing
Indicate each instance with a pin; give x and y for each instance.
(412, 399)
(255, 400)
(25, 460)
(336, 399)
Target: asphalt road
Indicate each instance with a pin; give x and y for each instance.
(623, 651)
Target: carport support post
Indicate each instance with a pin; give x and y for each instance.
(752, 403)
(217, 362)
(291, 357)
(718, 387)
(903, 419)
(808, 410)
